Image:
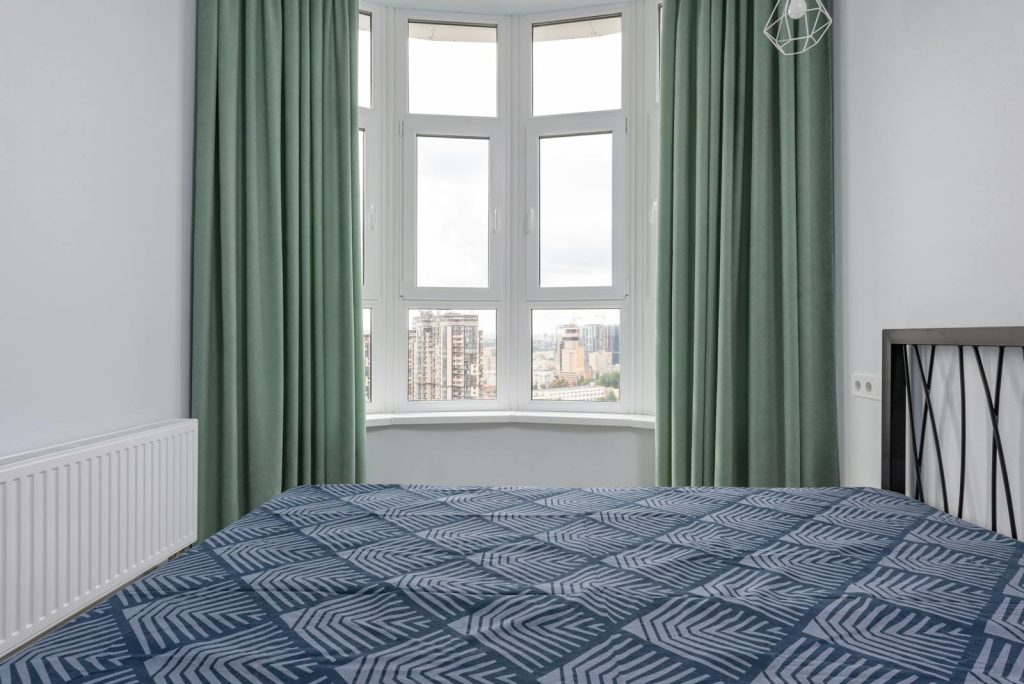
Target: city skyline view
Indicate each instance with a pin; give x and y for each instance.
(575, 355)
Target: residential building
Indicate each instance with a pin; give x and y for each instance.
(444, 356)
(571, 354)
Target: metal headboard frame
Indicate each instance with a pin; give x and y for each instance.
(901, 351)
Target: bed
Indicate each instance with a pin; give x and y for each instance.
(389, 583)
(495, 584)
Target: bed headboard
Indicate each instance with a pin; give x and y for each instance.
(908, 362)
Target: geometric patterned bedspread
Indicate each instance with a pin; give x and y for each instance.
(380, 583)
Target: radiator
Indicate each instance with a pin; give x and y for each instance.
(81, 520)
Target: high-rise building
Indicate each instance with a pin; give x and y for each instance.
(570, 354)
(444, 356)
(590, 336)
(608, 340)
(601, 337)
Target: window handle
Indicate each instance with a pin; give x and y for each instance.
(531, 223)
(373, 217)
(496, 226)
(652, 219)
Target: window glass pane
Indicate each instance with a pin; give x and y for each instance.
(451, 212)
(576, 355)
(365, 57)
(368, 353)
(453, 69)
(576, 211)
(452, 355)
(362, 202)
(577, 66)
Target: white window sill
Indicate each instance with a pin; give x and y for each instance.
(376, 420)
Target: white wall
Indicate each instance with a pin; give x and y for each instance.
(96, 108)
(929, 123)
(520, 454)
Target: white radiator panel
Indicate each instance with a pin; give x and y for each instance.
(81, 520)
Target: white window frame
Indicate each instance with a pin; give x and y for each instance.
(577, 123)
(439, 125)
(513, 251)
(567, 126)
(531, 295)
(453, 127)
(370, 121)
(646, 219)
(369, 124)
(410, 295)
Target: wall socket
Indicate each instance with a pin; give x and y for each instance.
(867, 386)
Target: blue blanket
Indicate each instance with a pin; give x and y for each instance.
(368, 583)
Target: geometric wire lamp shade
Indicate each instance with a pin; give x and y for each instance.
(796, 26)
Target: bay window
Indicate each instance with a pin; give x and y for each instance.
(505, 181)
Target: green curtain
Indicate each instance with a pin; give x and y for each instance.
(277, 374)
(746, 386)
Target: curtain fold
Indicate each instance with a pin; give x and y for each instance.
(746, 386)
(277, 370)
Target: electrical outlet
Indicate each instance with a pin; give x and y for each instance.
(867, 386)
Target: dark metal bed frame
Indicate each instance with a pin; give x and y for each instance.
(901, 349)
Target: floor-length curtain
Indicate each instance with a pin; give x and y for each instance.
(277, 379)
(746, 389)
